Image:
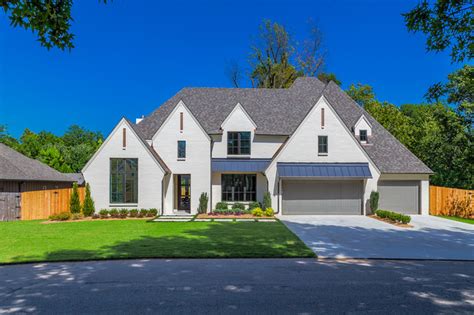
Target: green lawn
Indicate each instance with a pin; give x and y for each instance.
(468, 221)
(32, 241)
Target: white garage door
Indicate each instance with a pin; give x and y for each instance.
(399, 196)
(321, 197)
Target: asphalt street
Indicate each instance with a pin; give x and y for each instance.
(293, 286)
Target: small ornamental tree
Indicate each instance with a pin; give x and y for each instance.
(267, 200)
(74, 202)
(88, 207)
(374, 201)
(203, 200)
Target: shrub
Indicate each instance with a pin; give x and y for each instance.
(104, 213)
(74, 202)
(267, 200)
(123, 213)
(254, 204)
(269, 212)
(63, 216)
(257, 212)
(203, 200)
(133, 213)
(114, 213)
(88, 207)
(238, 205)
(142, 213)
(374, 201)
(393, 216)
(95, 216)
(222, 205)
(152, 212)
(231, 211)
(77, 216)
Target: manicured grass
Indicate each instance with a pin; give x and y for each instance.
(468, 221)
(32, 241)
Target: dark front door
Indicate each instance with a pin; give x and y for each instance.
(184, 192)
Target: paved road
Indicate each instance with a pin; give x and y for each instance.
(362, 237)
(238, 286)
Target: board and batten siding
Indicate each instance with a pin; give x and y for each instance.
(150, 174)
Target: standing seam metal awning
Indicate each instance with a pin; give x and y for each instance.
(324, 170)
(240, 165)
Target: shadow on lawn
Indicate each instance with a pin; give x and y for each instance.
(217, 240)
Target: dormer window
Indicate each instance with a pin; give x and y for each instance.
(363, 135)
(238, 143)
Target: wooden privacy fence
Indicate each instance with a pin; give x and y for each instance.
(451, 201)
(40, 204)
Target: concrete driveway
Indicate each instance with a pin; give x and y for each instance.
(364, 237)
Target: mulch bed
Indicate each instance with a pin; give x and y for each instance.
(222, 216)
(90, 219)
(390, 221)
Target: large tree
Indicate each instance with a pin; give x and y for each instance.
(49, 19)
(447, 24)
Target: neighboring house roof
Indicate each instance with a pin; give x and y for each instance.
(281, 111)
(76, 177)
(16, 166)
(142, 138)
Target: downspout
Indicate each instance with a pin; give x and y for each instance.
(210, 175)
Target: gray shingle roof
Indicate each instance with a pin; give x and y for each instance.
(16, 166)
(280, 111)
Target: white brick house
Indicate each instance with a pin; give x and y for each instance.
(311, 146)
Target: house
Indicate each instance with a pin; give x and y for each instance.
(19, 173)
(311, 146)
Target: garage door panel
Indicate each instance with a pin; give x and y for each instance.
(322, 197)
(399, 196)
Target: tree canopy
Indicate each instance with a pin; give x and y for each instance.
(447, 23)
(67, 153)
(49, 19)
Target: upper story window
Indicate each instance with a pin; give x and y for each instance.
(322, 145)
(238, 143)
(363, 135)
(123, 180)
(181, 149)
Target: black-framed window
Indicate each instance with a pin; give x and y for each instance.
(238, 143)
(239, 187)
(123, 180)
(322, 144)
(363, 135)
(181, 149)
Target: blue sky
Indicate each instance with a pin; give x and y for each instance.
(130, 56)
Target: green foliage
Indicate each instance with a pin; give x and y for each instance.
(143, 213)
(63, 216)
(222, 205)
(254, 204)
(114, 213)
(152, 212)
(258, 212)
(203, 200)
(236, 211)
(328, 77)
(238, 205)
(435, 133)
(133, 213)
(267, 200)
(88, 207)
(269, 212)
(77, 216)
(123, 213)
(374, 201)
(393, 216)
(68, 153)
(50, 20)
(447, 23)
(74, 202)
(104, 213)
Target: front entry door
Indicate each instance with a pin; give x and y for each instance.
(184, 192)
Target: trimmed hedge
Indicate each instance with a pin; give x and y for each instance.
(238, 205)
(231, 211)
(222, 205)
(393, 216)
